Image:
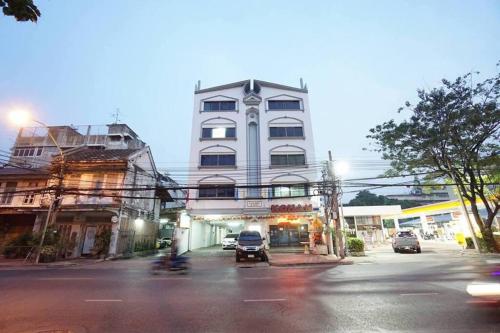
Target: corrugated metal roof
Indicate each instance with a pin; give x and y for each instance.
(100, 155)
(12, 171)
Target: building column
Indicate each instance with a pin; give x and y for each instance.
(39, 221)
(423, 222)
(115, 232)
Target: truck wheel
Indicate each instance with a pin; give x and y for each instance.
(396, 250)
(238, 259)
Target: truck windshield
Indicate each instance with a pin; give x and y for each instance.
(250, 236)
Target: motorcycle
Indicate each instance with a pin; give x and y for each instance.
(164, 263)
(428, 236)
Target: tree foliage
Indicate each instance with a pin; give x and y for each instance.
(452, 131)
(366, 198)
(22, 10)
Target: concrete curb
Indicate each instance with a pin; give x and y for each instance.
(323, 263)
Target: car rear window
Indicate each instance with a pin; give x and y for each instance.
(231, 236)
(406, 234)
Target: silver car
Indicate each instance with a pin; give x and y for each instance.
(406, 240)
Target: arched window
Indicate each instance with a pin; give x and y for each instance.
(289, 185)
(286, 127)
(216, 187)
(284, 103)
(218, 157)
(219, 103)
(287, 156)
(218, 129)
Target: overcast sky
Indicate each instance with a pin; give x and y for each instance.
(360, 59)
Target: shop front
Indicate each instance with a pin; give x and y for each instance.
(282, 226)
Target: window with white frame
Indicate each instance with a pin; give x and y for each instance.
(217, 187)
(288, 156)
(216, 191)
(283, 191)
(218, 128)
(214, 160)
(27, 151)
(29, 197)
(284, 104)
(286, 127)
(212, 106)
(217, 157)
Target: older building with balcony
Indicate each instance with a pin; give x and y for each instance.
(108, 194)
(109, 200)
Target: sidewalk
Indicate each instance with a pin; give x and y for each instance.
(300, 259)
(21, 264)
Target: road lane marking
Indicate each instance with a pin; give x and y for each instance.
(168, 278)
(103, 300)
(258, 278)
(65, 278)
(265, 300)
(418, 294)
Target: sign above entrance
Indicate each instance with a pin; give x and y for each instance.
(290, 208)
(254, 204)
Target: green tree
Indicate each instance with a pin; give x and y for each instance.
(366, 198)
(452, 131)
(22, 10)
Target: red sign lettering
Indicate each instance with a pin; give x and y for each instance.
(290, 208)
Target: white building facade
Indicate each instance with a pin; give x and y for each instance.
(252, 159)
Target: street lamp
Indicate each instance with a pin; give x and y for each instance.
(21, 118)
(341, 168)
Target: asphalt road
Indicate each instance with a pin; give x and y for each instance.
(385, 292)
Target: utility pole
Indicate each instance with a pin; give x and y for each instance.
(327, 198)
(339, 240)
(467, 218)
(52, 212)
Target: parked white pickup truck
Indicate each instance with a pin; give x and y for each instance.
(405, 240)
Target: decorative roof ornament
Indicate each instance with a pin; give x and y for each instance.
(252, 90)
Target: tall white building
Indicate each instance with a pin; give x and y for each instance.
(257, 134)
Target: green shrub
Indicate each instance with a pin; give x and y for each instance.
(20, 246)
(102, 241)
(355, 244)
(470, 242)
(48, 253)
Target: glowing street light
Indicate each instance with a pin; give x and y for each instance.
(341, 168)
(19, 117)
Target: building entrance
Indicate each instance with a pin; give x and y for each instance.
(287, 234)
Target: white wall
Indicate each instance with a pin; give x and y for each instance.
(240, 144)
(204, 235)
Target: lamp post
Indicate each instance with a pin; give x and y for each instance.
(20, 118)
